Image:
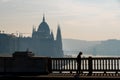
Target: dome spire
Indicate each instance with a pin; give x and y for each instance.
(43, 17)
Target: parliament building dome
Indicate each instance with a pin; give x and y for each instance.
(43, 27)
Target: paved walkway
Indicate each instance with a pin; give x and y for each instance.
(74, 76)
(68, 76)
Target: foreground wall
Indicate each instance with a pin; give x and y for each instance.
(24, 62)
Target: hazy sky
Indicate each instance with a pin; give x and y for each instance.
(78, 19)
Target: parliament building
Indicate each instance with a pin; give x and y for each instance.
(42, 42)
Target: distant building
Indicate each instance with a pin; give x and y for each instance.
(42, 42)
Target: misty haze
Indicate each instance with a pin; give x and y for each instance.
(90, 26)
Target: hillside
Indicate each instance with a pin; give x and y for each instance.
(109, 47)
(73, 46)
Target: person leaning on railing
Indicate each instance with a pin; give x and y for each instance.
(79, 62)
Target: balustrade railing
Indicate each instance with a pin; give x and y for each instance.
(88, 64)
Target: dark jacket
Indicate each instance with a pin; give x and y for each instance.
(78, 58)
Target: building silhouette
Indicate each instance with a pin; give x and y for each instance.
(24, 63)
(42, 42)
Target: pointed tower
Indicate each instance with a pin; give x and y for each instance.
(59, 42)
(58, 37)
(33, 31)
(52, 36)
(43, 18)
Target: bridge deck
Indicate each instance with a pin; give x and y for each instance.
(76, 76)
(68, 76)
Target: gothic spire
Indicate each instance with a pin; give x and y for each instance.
(34, 28)
(59, 41)
(52, 36)
(59, 37)
(58, 32)
(43, 18)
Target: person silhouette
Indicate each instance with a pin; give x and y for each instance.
(79, 62)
